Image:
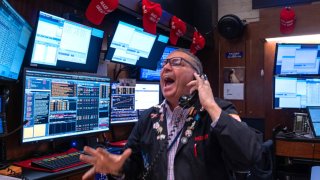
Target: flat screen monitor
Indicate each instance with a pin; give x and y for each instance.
(65, 45)
(122, 108)
(146, 95)
(314, 120)
(296, 92)
(154, 75)
(15, 33)
(1, 126)
(2, 118)
(132, 46)
(297, 59)
(61, 105)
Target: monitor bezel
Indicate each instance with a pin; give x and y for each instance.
(70, 68)
(121, 122)
(310, 121)
(4, 79)
(64, 138)
(155, 80)
(160, 91)
(291, 75)
(110, 39)
(300, 109)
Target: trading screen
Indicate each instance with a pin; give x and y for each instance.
(123, 104)
(297, 59)
(60, 105)
(293, 92)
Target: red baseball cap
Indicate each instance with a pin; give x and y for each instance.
(287, 20)
(178, 29)
(151, 15)
(97, 9)
(198, 42)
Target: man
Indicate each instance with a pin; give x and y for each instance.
(170, 142)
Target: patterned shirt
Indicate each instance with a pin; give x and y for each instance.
(175, 117)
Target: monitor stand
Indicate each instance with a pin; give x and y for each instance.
(77, 143)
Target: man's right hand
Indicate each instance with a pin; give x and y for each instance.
(103, 161)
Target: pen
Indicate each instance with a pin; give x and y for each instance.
(195, 150)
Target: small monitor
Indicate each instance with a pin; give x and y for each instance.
(61, 105)
(297, 59)
(122, 108)
(154, 75)
(14, 38)
(2, 125)
(132, 46)
(314, 120)
(296, 92)
(2, 118)
(65, 45)
(146, 95)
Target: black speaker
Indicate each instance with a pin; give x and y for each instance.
(230, 26)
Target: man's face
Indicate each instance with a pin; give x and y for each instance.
(175, 78)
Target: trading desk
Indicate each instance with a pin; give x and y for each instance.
(295, 155)
(298, 147)
(72, 173)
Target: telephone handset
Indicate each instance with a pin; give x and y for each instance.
(186, 101)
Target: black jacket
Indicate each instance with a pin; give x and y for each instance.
(230, 145)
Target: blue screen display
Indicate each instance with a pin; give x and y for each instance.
(63, 44)
(294, 92)
(297, 59)
(60, 105)
(15, 33)
(131, 45)
(154, 75)
(1, 126)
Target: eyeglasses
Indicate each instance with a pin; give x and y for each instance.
(176, 62)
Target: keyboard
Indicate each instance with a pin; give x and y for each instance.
(59, 161)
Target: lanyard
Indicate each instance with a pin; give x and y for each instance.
(175, 139)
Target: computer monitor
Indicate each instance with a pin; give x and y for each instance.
(122, 108)
(147, 94)
(297, 59)
(296, 92)
(154, 75)
(131, 45)
(65, 45)
(2, 118)
(2, 129)
(14, 38)
(314, 120)
(60, 105)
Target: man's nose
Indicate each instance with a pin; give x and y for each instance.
(167, 67)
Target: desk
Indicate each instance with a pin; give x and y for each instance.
(72, 173)
(298, 147)
(296, 155)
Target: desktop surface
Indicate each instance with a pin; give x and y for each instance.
(72, 173)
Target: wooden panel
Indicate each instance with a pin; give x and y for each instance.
(231, 46)
(254, 79)
(317, 151)
(294, 149)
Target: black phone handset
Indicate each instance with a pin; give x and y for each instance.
(186, 101)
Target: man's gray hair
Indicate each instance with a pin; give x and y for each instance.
(195, 59)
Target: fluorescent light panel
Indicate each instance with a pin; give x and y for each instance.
(312, 38)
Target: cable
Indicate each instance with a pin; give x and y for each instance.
(15, 130)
